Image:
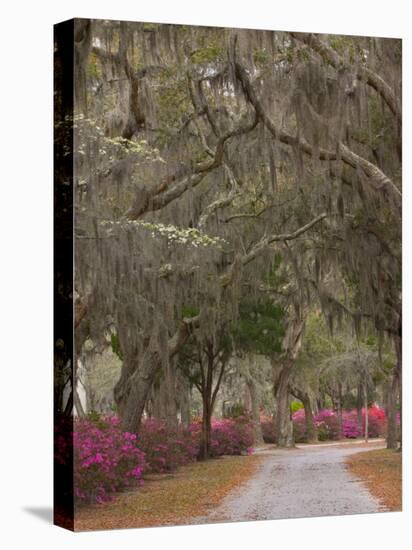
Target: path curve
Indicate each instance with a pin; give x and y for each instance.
(307, 481)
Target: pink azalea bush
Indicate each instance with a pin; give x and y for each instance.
(327, 424)
(350, 427)
(106, 459)
(232, 436)
(267, 425)
(299, 426)
(165, 448)
(376, 421)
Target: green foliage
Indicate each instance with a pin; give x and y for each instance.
(114, 340)
(318, 344)
(296, 53)
(376, 134)
(323, 432)
(259, 328)
(302, 54)
(342, 44)
(272, 277)
(148, 27)
(97, 419)
(189, 355)
(189, 311)
(261, 57)
(290, 52)
(173, 99)
(209, 54)
(93, 68)
(296, 406)
(235, 410)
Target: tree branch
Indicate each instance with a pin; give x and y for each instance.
(186, 327)
(365, 74)
(219, 380)
(263, 244)
(375, 174)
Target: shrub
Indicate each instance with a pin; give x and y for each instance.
(296, 406)
(165, 449)
(268, 429)
(299, 426)
(105, 459)
(232, 436)
(328, 425)
(376, 421)
(235, 410)
(350, 427)
(323, 431)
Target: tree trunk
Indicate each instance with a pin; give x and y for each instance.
(69, 405)
(253, 393)
(336, 396)
(155, 403)
(253, 399)
(399, 369)
(391, 437)
(206, 436)
(291, 345)
(311, 430)
(359, 405)
(340, 412)
(366, 412)
(169, 386)
(132, 390)
(78, 404)
(184, 401)
(283, 421)
(62, 376)
(398, 348)
(138, 374)
(208, 403)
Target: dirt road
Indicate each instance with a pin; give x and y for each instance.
(303, 482)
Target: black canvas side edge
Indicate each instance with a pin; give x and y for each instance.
(63, 274)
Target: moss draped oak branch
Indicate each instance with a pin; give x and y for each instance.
(362, 72)
(379, 180)
(262, 245)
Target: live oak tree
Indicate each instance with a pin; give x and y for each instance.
(201, 154)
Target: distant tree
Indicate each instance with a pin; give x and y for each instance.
(203, 361)
(258, 331)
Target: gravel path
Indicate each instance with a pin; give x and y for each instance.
(302, 482)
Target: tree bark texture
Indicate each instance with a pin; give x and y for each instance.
(292, 344)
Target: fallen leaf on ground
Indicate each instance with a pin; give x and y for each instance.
(381, 471)
(173, 500)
